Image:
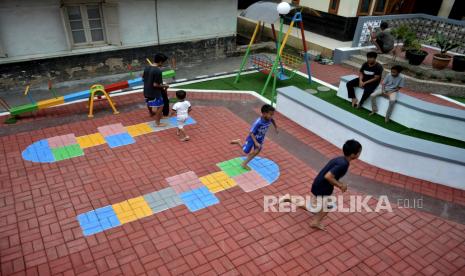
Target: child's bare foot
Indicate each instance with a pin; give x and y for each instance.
(187, 138)
(246, 167)
(236, 142)
(318, 226)
(372, 113)
(177, 132)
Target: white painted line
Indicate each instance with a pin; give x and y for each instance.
(220, 73)
(449, 99)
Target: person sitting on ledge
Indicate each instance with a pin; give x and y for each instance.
(383, 39)
(389, 88)
(369, 78)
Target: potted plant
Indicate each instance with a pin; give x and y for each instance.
(441, 60)
(414, 53)
(405, 35)
(458, 63)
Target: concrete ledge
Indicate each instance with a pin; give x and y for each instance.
(415, 113)
(381, 147)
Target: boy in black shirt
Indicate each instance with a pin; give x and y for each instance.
(328, 177)
(153, 88)
(369, 78)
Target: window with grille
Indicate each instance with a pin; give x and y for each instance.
(85, 24)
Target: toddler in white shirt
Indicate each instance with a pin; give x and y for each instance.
(182, 109)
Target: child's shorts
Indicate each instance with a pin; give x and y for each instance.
(248, 146)
(181, 121)
(154, 102)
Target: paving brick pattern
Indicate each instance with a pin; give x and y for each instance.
(39, 233)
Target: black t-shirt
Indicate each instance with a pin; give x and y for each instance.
(370, 72)
(152, 75)
(338, 167)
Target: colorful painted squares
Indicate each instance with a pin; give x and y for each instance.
(218, 181)
(198, 199)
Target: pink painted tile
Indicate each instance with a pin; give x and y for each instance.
(184, 182)
(62, 140)
(250, 181)
(113, 129)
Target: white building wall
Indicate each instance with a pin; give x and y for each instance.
(31, 27)
(35, 27)
(137, 22)
(182, 20)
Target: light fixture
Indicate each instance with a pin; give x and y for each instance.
(283, 8)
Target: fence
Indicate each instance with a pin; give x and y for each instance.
(423, 24)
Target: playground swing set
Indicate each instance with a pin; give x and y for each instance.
(95, 91)
(285, 65)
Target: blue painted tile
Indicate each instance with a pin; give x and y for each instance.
(198, 199)
(266, 168)
(119, 140)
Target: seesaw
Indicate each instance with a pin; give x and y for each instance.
(69, 146)
(186, 188)
(85, 94)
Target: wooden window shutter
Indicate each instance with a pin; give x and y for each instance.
(111, 20)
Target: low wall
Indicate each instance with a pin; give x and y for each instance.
(414, 113)
(381, 147)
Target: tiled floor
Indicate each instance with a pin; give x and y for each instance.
(40, 203)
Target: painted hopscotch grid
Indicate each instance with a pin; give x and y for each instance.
(186, 188)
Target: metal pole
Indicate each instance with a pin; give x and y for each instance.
(247, 52)
(307, 60)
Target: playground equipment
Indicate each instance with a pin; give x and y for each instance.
(99, 90)
(262, 12)
(81, 95)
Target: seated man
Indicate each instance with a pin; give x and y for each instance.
(369, 78)
(383, 39)
(391, 85)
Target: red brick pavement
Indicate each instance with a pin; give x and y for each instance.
(39, 233)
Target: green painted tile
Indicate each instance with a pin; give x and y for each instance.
(74, 150)
(60, 153)
(232, 167)
(67, 152)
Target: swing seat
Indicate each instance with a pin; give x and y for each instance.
(263, 64)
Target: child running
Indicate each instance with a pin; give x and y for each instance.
(257, 134)
(327, 179)
(182, 109)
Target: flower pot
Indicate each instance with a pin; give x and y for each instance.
(458, 63)
(441, 61)
(416, 57)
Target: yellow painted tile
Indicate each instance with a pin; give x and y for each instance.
(50, 102)
(133, 130)
(139, 129)
(97, 139)
(217, 182)
(140, 207)
(84, 141)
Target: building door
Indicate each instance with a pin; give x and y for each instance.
(400, 6)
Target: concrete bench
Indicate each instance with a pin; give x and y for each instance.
(381, 147)
(415, 113)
